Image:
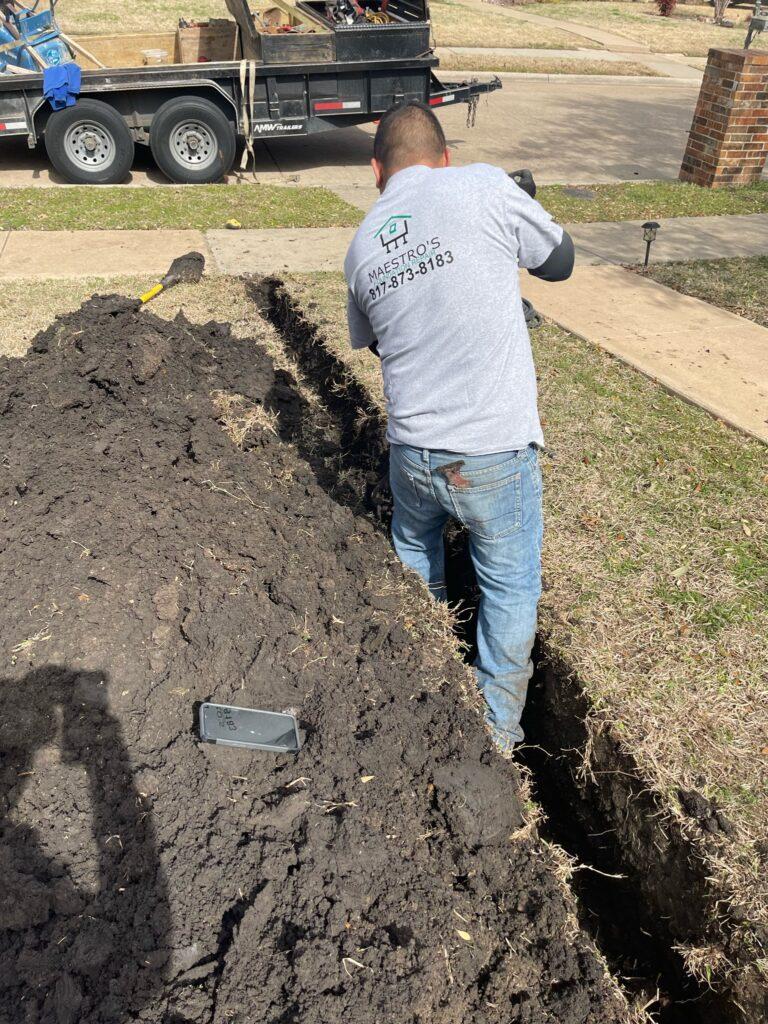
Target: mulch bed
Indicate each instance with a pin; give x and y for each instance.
(384, 874)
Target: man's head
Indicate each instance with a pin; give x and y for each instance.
(408, 134)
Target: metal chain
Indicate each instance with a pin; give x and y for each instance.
(472, 104)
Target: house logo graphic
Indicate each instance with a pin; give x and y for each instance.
(394, 232)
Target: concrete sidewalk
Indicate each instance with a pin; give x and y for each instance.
(79, 254)
(707, 355)
(679, 238)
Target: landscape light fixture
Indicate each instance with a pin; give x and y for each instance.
(649, 235)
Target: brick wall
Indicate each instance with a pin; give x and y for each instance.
(728, 142)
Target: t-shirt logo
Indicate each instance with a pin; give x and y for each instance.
(394, 231)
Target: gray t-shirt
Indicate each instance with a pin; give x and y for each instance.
(433, 277)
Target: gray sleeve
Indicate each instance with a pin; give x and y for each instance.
(558, 266)
(360, 331)
(536, 234)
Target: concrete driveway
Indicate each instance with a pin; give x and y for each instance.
(610, 129)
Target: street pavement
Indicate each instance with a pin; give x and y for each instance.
(619, 129)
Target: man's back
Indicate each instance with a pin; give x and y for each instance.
(433, 278)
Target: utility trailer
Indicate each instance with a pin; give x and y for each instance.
(318, 68)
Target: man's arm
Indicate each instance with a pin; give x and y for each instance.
(537, 233)
(360, 331)
(558, 266)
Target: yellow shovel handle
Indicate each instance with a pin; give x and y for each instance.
(151, 293)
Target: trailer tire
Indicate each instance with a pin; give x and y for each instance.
(192, 141)
(89, 144)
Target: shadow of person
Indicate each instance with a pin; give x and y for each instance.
(84, 915)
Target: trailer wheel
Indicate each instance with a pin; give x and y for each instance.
(192, 141)
(89, 144)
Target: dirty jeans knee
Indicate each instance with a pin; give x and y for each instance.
(505, 691)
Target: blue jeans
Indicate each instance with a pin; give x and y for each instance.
(498, 500)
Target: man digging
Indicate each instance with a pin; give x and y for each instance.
(434, 292)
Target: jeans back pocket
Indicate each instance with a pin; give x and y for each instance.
(493, 509)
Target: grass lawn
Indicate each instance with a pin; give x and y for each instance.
(656, 567)
(450, 61)
(269, 206)
(454, 24)
(740, 285)
(682, 33)
(457, 24)
(641, 200)
(190, 206)
(95, 17)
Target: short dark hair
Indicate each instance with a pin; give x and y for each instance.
(408, 133)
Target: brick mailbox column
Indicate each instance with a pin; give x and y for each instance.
(728, 143)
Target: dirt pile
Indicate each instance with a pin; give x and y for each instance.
(163, 543)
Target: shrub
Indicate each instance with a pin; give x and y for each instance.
(666, 7)
(721, 6)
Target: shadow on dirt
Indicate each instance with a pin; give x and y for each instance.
(85, 916)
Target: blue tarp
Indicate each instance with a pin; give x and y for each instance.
(61, 85)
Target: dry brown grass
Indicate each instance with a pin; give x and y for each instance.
(473, 24)
(239, 417)
(123, 16)
(640, 22)
(454, 23)
(656, 563)
(452, 61)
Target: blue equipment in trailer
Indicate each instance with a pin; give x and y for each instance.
(23, 29)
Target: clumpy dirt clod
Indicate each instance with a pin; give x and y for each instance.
(163, 543)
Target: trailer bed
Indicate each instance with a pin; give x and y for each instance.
(191, 115)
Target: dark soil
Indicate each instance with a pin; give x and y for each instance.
(149, 563)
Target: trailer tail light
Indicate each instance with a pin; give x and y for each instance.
(337, 105)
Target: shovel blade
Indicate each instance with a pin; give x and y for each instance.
(187, 269)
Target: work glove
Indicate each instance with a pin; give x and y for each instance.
(524, 179)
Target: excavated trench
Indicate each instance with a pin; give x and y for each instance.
(180, 523)
(635, 916)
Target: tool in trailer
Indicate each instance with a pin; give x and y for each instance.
(186, 269)
(345, 12)
(250, 728)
